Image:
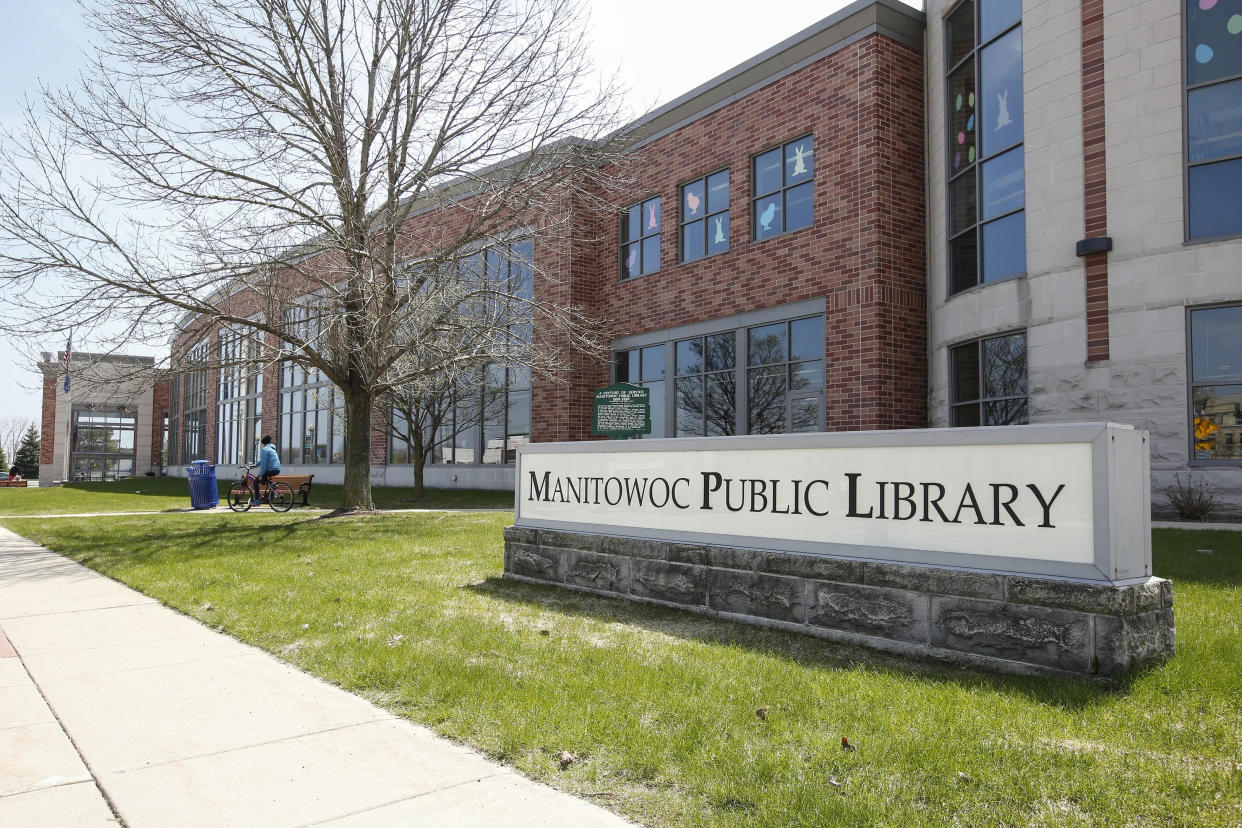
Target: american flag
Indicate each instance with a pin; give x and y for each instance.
(68, 350)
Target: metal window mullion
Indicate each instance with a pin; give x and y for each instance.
(1213, 82)
(1218, 160)
(741, 389)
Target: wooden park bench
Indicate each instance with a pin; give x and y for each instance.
(12, 484)
(297, 482)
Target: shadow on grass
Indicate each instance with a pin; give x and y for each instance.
(804, 650)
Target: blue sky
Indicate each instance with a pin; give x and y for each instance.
(43, 41)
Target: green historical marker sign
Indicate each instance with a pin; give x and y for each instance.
(622, 410)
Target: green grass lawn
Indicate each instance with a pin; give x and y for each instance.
(158, 494)
(410, 611)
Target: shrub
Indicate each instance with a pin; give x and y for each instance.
(1194, 500)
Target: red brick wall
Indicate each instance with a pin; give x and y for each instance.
(47, 443)
(1095, 173)
(160, 396)
(864, 253)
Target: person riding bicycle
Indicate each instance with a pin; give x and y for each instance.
(269, 466)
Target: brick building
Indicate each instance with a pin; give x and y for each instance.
(996, 211)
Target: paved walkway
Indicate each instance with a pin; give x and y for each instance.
(116, 710)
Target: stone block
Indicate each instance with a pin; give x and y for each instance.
(1166, 593)
(765, 596)
(606, 573)
(734, 557)
(638, 548)
(521, 534)
(556, 539)
(533, 561)
(672, 582)
(1126, 644)
(1072, 595)
(816, 567)
(887, 613)
(931, 579)
(686, 553)
(1037, 635)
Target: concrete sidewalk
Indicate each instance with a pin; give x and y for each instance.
(116, 710)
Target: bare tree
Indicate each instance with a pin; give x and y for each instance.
(12, 429)
(269, 166)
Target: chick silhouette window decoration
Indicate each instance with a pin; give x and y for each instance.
(782, 191)
(705, 216)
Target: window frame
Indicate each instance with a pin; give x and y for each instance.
(642, 238)
(1187, 164)
(976, 166)
(1191, 384)
(784, 189)
(194, 402)
(237, 412)
(980, 400)
(705, 217)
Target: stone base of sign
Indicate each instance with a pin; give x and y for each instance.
(1009, 623)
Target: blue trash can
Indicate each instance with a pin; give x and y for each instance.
(203, 492)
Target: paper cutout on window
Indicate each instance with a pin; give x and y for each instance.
(1207, 5)
(765, 218)
(1002, 110)
(1204, 53)
(652, 221)
(632, 260)
(970, 124)
(692, 201)
(719, 232)
(799, 164)
(1234, 26)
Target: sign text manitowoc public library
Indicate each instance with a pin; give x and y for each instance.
(1032, 501)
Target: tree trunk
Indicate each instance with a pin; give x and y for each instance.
(419, 458)
(358, 407)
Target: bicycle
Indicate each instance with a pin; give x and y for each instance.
(277, 495)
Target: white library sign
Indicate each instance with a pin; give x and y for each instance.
(1070, 500)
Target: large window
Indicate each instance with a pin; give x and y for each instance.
(194, 428)
(640, 239)
(103, 444)
(312, 428)
(487, 416)
(1216, 383)
(986, 166)
(754, 379)
(174, 422)
(705, 216)
(782, 192)
(988, 380)
(1213, 42)
(240, 408)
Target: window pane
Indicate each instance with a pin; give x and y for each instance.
(1215, 120)
(1216, 344)
(621, 366)
(965, 372)
(804, 414)
(1212, 48)
(651, 254)
(806, 376)
(657, 408)
(692, 196)
(962, 120)
(653, 363)
(966, 415)
(1004, 184)
(720, 351)
(718, 192)
(1000, 111)
(633, 226)
(768, 217)
(798, 207)
(766, 345)
(766, 401)
(690, 357)
(721, 405)
(1005, 412)
(997, 15)
(962, 210)
(799, 156)
(767, 173)
(651, 216)
(689, 407)
(632, 260)
(1218, 422)
(1214, 192)
(692, 241)
(718, 234)
(960, 34)
(1004, 247)
(1004, 366)
(806, 338)
(963, 262)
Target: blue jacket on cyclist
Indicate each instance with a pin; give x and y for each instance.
(269, 465)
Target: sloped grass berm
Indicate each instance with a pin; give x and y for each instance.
(660, 704)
